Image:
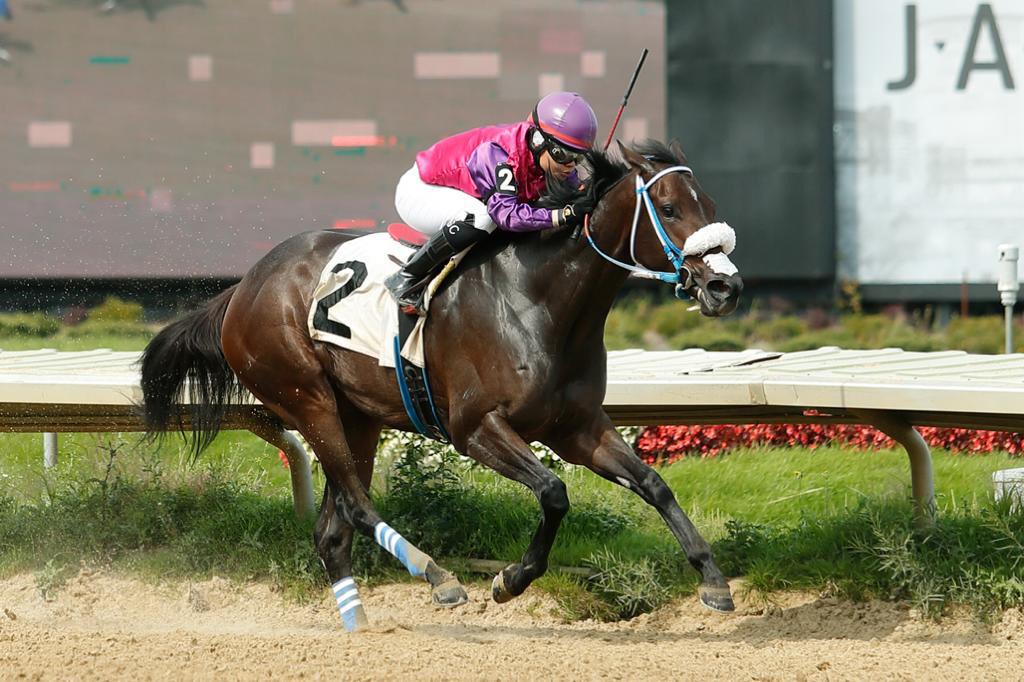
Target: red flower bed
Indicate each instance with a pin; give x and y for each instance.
(669, 443)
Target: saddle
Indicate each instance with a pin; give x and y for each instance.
(403, 234)
(400, 232)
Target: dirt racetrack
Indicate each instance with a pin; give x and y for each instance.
(101, 626)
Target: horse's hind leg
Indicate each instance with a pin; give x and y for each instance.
(312, 408)
(333, 539)
(600, 448)
(495, 444)
(353, 503)
(333, 534)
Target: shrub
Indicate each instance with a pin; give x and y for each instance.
(638, 322)
(630, 587)
(28, 324)
(740, 325)
(625, 326)
(816, 339)
(672, 318)
(575, 601)
(779, 328)
(910, 340)
(708, 340)
(114, 309)
(735, 551)
(103, 327)
(976, 334)
(431, 499)
(868, 330)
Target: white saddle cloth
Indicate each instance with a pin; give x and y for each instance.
(365, 316)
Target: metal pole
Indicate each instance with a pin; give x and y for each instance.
(49, 450)
(298, 465)
(1009, 330)
(1008, 286)
(922, 476)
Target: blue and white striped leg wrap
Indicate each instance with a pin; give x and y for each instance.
(414, 560)
(349, 605)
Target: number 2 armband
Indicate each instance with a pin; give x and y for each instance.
(505, 180)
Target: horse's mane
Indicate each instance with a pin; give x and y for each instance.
(604, 173)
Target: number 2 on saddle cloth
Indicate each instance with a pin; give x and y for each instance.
(413, 380)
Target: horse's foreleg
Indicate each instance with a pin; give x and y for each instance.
(600, 448)
(495, 444)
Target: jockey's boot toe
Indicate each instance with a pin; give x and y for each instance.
(400, 284)
(407, 292)
(412, 303)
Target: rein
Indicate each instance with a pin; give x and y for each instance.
(673, 253)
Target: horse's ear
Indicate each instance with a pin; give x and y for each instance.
(677, 150)
(633, 159)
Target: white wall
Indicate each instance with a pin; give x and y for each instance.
(929, 170)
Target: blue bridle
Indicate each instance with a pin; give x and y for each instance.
(673, 253)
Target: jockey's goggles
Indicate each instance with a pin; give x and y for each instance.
(562, 155)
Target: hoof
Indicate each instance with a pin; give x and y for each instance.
(499, 593)
(445, 588)
(360, 625)
(449, 594)
(354, 620)
(718, 599)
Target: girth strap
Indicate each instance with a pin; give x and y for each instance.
(414, 385)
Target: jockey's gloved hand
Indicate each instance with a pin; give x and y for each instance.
(570, 215)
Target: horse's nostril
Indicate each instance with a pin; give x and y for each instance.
(724, 288)
(719, 288)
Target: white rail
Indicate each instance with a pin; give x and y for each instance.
(891, 389)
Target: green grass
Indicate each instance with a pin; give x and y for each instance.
(83, 456)
(62, 341)
(785, 485)
(831, 520)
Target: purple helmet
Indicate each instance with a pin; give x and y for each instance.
(566, 117)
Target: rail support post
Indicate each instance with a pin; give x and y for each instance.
(298, 466)
(50, 451)
(921, 476)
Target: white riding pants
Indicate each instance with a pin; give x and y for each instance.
(427, 208)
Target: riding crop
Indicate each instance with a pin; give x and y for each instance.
(625, 99)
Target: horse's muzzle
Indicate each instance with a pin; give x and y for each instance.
(719, 294)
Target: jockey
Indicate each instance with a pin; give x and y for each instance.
(467, 185)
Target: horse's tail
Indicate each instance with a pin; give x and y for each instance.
(189, 350)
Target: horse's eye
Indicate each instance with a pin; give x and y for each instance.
(668, 210)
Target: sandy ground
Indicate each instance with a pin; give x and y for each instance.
(101, 626)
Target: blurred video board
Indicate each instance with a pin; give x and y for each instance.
(185, 138)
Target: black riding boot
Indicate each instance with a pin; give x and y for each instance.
(408, 285)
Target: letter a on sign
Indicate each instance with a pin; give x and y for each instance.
(985, 17)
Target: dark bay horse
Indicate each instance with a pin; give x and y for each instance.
(514, 344)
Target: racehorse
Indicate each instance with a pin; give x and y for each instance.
(514, 343)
